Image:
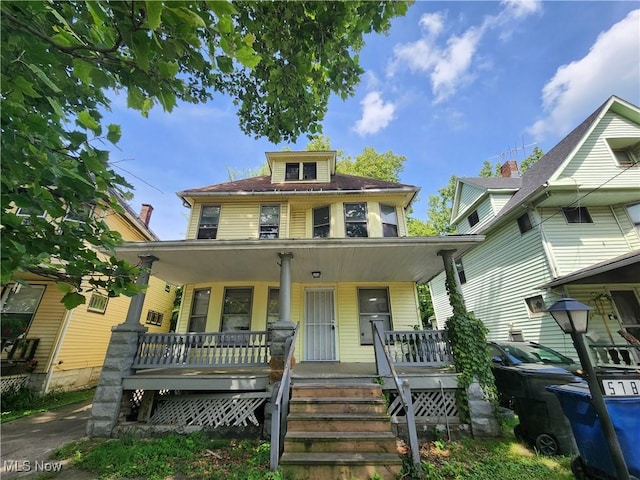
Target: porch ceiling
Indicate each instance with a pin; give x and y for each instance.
(338, 260)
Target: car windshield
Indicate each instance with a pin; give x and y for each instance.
(531, 353)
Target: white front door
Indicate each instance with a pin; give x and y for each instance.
(320, 325)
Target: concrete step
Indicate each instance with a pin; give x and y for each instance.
(340, 466)
(337, 405)
(338, 422)
(347, 390)
(325, 442)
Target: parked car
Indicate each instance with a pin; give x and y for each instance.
(510, 354)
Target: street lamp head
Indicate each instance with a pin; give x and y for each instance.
(571, 315)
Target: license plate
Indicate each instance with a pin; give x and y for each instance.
(621, 388)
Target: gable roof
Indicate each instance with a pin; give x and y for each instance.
(132, 217)
(494, 183)
(340, 183)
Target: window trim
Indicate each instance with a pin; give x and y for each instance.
(535, 309)
(269, 225)
(300, 175)
(215, 227)
(88, 210)
(287, 176)
(320, 225)
(94, 304)
(583, 215)
(347, 222)
(626, 147)
(222, 312)
(395, 225)
(363, 339)
(191, 310)
(154, 318)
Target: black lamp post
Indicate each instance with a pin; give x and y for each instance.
(573, 318)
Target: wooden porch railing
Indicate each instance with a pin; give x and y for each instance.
(418, 347)
(183, 350)
(615, 355)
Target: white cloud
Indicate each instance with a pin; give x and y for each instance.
(376, 114)
(612, 67)
(449, 62)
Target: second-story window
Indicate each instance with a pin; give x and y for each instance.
(524, 223)
(577, 215)
(389, 221)
(199, 309)
(473, 219)
(269, 221)
(321, 222)
(209, 218)
(355, 220)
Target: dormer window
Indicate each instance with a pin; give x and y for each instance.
(301, 171)
(626, 151)
(473, 219)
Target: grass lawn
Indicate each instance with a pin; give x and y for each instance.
(22, 403)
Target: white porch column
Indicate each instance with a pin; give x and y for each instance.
(108, 399)
(285, 289)
(283, 328)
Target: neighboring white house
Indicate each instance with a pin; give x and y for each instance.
(569, 226)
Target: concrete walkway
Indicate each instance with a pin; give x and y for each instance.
(27, 443)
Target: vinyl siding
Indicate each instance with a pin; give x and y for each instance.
(594, 161)
(278, 170)
(440, 300)
(631, 235)
(158, 300)
(498, 201)
(468, 196)
(579, 245)
(485, 215)
(298, 222)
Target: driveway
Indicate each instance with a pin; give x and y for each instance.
(27, 443)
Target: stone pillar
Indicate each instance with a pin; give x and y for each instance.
(283, 328)
(108, 399)
(482, 413)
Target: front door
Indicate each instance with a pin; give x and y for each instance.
(320, 325)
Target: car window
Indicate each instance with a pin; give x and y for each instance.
(549, 356)
(521, 356)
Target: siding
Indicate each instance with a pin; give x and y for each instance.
(498, 201)
(631, 235)
(158, 300)
(579, 245)
(468, 196)
(485, 215)
(594, 162)
(298, 226)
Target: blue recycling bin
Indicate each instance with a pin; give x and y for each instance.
(594, 461)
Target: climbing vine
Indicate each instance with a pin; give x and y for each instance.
(468, 337)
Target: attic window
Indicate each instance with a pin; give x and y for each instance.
(524, 223)
(577, 215)
(309, 171)
(292, 171)
(473, 219)
(626, 151)
(301, 171)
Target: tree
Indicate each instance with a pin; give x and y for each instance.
(279, 61)
(382, 166)
(532, 158)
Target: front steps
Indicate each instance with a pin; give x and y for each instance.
(339, 432)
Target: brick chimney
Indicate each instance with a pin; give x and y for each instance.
(510, 169)
(145, 213)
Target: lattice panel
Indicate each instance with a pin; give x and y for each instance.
(136, 399)
(14, 382)
(427, 404)
(203, 410)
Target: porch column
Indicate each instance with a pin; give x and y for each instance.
(108, 399)
(283, 328)
(449, 262)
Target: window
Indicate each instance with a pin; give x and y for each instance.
(628, 309)
(27, 213)
(473, 219)
(524, 223)
(269, 221)
(460, 269)
(292, 171)
(321, 222)
(199, 309)
(309, 171)
(373, 304)
(389, 221)
(154, 318)
(167, 288)
(535, 304)
(209, 218)
(355, 219)
(97, 303)
(577, 214)
(19, 305)
(634, 215)
(626, 151)
(273, 306)
(236, 311)
(624, 157)
(81, 217)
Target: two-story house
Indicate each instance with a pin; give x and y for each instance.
(346, 241)
(568, 227)
(65, 349)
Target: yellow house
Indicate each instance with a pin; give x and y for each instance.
(345, 242)
(65, 349)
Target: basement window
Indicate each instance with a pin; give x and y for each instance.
(577, 215)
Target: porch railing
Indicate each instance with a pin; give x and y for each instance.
(418, 347)
(181, 350)
(281, 404)
(615, 355)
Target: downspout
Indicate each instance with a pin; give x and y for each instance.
(56, 352)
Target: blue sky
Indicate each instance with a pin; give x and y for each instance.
(453, 84)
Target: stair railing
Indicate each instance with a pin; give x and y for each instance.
(404, 393)
(281, 404)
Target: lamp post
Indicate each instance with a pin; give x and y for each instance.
(573, 317)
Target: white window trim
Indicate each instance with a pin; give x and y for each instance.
(98, 298)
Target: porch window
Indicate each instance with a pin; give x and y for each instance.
(154, 318)
(355, 219)
(236, 311)
(473, 219)
(577, 215)
(269, 221)
(273, 306)
(321, 222)
(373, 304)
(97, 303)
(389, 221)
(209, 218)
(524, 223)
(199, 309)
(634, 215)
(19, 305)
